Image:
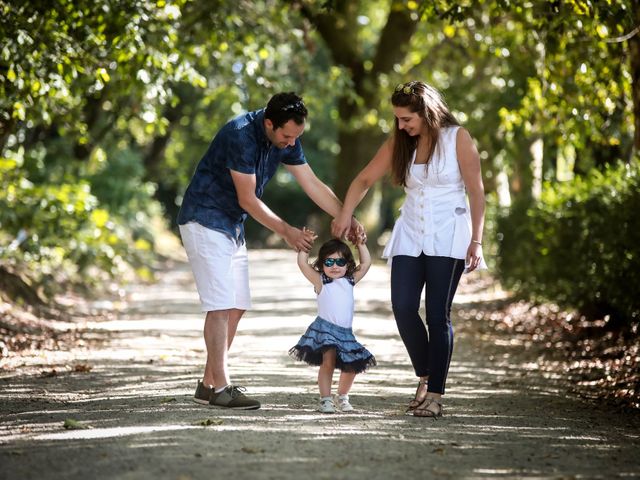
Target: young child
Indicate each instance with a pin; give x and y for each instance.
(329, 341)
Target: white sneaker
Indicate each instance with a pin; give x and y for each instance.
(326, 405)
(343, 403)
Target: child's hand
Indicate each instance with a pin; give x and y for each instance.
(358, 237)
(310, 235)
(356, 232)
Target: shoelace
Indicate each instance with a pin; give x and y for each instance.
(236, 390)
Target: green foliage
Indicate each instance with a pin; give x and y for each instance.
(281, 194)
(60, 56)
(109, 104)
(64, 231)
(119, 186)
(580, 245)
(576, 88)
(72, 424)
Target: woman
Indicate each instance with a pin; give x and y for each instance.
(435, 238)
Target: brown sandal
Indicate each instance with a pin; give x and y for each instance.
(431, 408)
(417, 399)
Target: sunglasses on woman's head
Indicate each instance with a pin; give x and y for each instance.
(328, 262)
(406, 88)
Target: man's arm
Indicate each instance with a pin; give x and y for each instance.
(315, 189)
(321, 194)
(246, 189)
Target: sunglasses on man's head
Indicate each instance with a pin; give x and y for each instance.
(297, 107)
(328, 262)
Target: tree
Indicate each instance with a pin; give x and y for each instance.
(120, 98)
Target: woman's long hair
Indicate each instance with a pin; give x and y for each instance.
(428, 103)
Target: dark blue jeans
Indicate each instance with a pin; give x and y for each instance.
(429, 347)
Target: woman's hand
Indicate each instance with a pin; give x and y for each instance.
(474, 256)
(341, 225)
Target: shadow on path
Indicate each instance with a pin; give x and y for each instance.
(133, 379)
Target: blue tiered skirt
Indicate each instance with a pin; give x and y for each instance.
(351, 356)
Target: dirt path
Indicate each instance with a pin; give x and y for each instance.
(133, 379)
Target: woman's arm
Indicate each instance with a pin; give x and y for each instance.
(365, 262)
(379, 165)
(320, 193)
(469, 161)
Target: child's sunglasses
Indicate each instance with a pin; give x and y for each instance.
(328, 262)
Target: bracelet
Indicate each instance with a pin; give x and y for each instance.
(476, 241)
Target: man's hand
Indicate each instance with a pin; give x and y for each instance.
(300, 240)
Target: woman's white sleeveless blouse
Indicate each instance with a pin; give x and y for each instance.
(435, 217)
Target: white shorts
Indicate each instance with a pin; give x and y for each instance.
(220, 268)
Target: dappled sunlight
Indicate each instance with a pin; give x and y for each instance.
(132, 384)
(497, 471)
(108, 432)
(171, 322)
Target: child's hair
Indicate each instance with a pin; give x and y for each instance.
(335, 246)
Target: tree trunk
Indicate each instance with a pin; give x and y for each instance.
(337, 25)
(521, 179)
(536, 149)
(357, 147)
(634, 57)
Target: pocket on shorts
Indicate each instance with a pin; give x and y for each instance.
(187, 233)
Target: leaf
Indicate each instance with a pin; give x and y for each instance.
(82, 367)
(208, 422)
(252, 450)
(71, 424)
(168, 400)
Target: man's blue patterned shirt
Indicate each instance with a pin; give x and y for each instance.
(241, 145)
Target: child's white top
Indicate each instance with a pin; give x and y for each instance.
(335, 302)
(435, 217)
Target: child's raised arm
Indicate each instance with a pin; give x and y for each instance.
(308, 271)
(365, 262)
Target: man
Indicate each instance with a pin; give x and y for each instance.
(226, 187)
